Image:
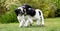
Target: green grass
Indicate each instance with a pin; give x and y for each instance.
(51, 24)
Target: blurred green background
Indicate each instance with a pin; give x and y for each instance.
(50, 8)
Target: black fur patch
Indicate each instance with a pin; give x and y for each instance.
(31, 12)
(17, 11)
(26, 6)
(39, 13)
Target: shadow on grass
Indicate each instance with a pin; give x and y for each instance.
(34, 26)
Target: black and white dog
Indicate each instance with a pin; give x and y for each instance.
(26, 14)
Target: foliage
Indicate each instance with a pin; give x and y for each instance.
(8, 18)
(2, 7)
(57, 13)
(58, 9)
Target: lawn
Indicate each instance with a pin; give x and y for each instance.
(51, 24)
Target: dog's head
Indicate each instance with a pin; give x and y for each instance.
(19, 10)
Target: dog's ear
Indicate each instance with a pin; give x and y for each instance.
(16, 12)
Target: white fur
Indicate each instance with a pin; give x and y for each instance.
(21, 20)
